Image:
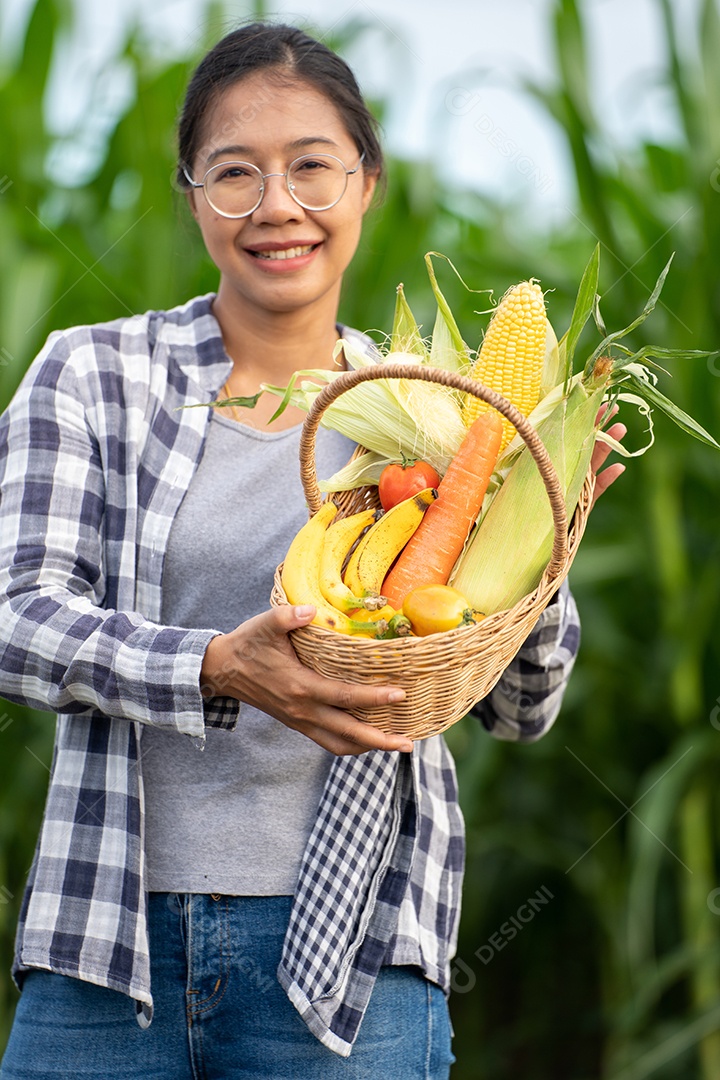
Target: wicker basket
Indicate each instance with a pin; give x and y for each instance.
(443, 674)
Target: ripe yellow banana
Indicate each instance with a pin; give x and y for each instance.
(382, 543)
(301, 575)
(339, 538)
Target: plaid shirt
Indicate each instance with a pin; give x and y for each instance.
(95, 457)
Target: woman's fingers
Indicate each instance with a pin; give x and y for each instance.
(342, 734)
(607, 477)
(604, 477)
(257, 664)
(602, 451)
(323, 711)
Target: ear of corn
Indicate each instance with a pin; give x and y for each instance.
(518, 349)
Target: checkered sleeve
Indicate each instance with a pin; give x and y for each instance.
(61, 647)
(525, 702)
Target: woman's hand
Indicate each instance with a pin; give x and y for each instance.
(605, 477)
(257, 664)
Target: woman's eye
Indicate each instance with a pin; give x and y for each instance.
(234, 172)
(311, 165)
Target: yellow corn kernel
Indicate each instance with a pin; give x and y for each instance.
(512, 354)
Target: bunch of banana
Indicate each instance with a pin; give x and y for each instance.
(312, 570)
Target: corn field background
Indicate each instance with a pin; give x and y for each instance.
(590, 937)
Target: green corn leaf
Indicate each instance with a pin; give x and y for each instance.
(648, 353)
(649, 392)
(658, 975)
(597, 316)
(653, 829)
(585, 302)
(292, 394)
(710, 43)
(221, 403)
(240, 402)
(674, 1040)
(647, 310)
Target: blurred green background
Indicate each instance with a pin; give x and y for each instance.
(590, 937)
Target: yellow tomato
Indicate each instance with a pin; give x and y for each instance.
(434, 608)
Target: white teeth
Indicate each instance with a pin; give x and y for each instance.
(286, 253)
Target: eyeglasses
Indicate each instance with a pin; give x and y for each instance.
(235, 189)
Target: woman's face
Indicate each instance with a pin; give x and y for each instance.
(270, 123)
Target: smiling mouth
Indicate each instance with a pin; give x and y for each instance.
(285, 253)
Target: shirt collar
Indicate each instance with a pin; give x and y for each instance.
(193, 338)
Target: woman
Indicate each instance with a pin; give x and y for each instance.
(139, 540)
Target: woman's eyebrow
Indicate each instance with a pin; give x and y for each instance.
(310, 140)
(296, 144)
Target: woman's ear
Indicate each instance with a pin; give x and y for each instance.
(190, 196)
(370, 180)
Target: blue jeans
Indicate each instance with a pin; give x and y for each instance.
(220, 1011)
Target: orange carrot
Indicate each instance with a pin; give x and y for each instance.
(432, 551)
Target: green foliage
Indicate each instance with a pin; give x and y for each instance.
(615, 812)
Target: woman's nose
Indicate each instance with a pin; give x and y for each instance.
(277, 203)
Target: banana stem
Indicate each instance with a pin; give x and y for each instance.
(373, 603)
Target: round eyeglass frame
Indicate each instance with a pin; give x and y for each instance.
(264, 176)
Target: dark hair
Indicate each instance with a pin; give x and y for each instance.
(287, 53)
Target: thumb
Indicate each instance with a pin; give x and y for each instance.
(271, 625)
(291, 616)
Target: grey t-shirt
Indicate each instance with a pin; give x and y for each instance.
(235, 817)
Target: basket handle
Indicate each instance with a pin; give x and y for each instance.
(348, 379)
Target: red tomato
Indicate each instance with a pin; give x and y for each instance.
(400, 481)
